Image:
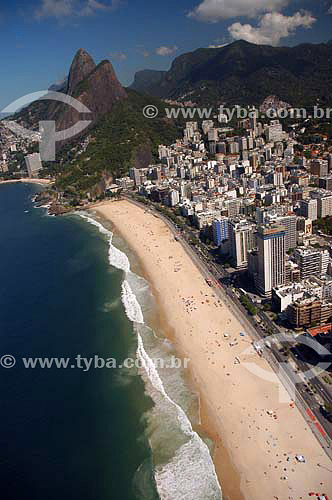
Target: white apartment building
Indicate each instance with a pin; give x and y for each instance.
(271, 258)
(274, 132)
(242, 240)
(309, 261)
(324, 262)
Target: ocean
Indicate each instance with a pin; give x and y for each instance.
(69, 288)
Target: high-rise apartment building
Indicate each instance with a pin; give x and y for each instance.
(242, 142)
(220, 227)
(324, 202)
(242, 240)
(274, 132)
(324, 206)
(308, 260)
(233, 207)
(324, 262)
(308, 209)
(220, 230)
(233, 148)
(290, 223)
(173, 197)
(135, 175)
(326, 182)
(213, 134)
(221, 147)
(319, 168)
(207, 125)
(271, 258)
(163, 152)
(191, 128)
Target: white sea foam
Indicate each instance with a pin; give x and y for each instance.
(46, 208)
(153, 376)
(116, 258)
(189, 473)
(131, 305)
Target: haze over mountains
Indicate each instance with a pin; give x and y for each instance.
(245, 73)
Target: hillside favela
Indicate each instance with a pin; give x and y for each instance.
(166, 250)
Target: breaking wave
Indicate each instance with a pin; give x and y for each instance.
(183, 467)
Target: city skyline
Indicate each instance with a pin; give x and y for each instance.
(189, 215)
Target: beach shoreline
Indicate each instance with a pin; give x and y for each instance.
(42, 182)
(247, 452)
(227, 473)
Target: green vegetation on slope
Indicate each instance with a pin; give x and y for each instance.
(245, 73)
(121, 139)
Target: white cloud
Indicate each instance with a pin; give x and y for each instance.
(54, 8)
(215, 10)
(271, 28)
(166, 51)
(92, 6)
(118, 56)
(330, 10)
(217, 46)
(66, 8)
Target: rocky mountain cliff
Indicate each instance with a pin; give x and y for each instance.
(245, 73)
(80, 68)
(118, 138)
(99, 90)
(96, 86)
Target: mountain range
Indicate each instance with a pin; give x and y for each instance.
(120, 137)
(244, 73)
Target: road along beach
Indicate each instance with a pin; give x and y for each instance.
(257, 437)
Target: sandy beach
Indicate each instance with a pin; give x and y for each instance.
(43, 182)
(256, 436)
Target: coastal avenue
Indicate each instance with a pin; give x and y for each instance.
(306, 403)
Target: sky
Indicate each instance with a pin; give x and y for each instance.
(39, 38)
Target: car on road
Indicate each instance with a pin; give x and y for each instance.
(326, 413)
